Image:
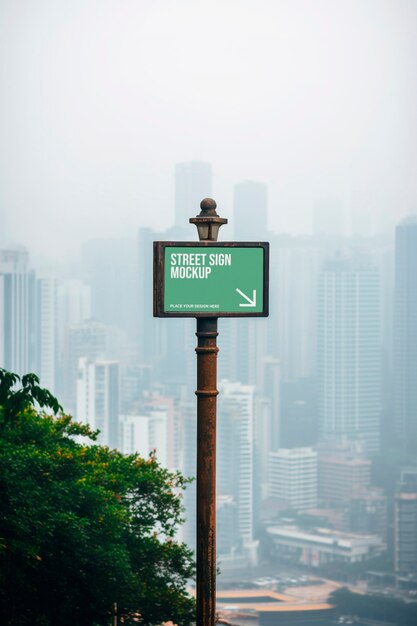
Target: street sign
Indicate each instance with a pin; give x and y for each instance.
(206, 279)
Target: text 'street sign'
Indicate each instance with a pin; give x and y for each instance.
(210, 279)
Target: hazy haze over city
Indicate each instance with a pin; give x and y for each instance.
(101, 98)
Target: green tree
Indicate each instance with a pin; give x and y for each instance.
(375, 607)
(83, 526)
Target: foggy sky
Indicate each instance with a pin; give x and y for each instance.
(100, 98)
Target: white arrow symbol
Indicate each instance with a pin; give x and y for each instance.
(249, 301)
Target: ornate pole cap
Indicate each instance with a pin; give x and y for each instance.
(208, 222)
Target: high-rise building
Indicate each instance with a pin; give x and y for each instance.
(110, 269)
(243, 345)
(134, 434)
(226, 521)
(74, 303)
(164, 435)
(341, 475)
(73, 308)
(250, 205)
(349, 353)
(236, 458)
(193, 182)
(14, 310)
(98, 398)
(168, 345)
(134, 382)
(405, 334)
(43, 349)
(405, 524)
(188, 463)
(271, 391)
(367, 513)
(28, 319)
(86, 339)
(155, 429)
(151, 333)
(165, 345)
(298, 413)
(295, 266)
(267, 423)
(293, 477)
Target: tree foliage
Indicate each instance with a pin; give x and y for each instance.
(83, 526)
(375, 607)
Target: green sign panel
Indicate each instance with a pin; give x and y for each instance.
(222, 279)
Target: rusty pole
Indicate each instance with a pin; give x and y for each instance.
(206, 469)
(208, 224)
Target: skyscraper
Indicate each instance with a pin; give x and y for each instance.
(110, 269)
(293, 477)
(134, 434)
(98, 398)
(349, 353)
(188, 463)
(244, 343)
(236, 459)
(250, 204)
(87, 339)
(167, 346)
(14, 310)
(73, 307)
(405, 524)
(149, 332)
(164, 431)
(193, 182)
(43, 348)
(243, 347)
(73, 304)
(159, 340)
(156, 428)
(341, 474)
(295, 265)
(405, 333)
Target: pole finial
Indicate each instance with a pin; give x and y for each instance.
(208, 222)
(208, 206)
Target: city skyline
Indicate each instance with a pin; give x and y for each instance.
(294, 387)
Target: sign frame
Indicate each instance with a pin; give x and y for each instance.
(159, 277)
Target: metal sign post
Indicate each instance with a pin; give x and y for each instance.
(206, 469)
(208, 280)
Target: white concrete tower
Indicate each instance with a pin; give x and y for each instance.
(236, 458)
(14, 310)
(98, 398)
(349, 353)
(293, 477)
(47, 348)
